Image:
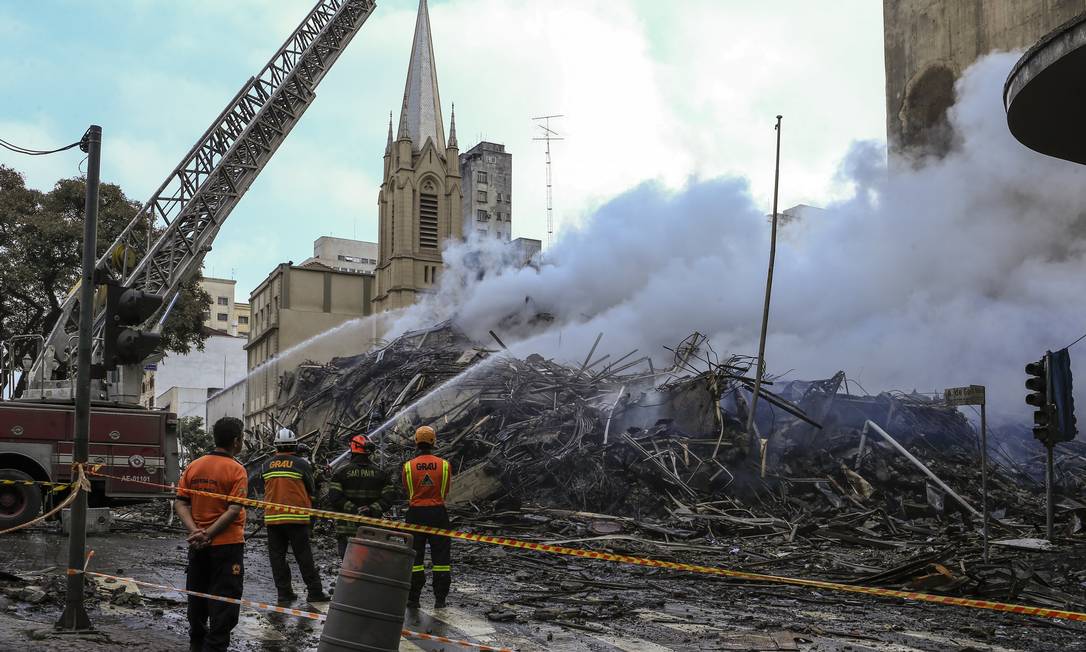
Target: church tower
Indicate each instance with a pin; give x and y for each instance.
(420, 199)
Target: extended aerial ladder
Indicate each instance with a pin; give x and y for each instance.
(165, 243)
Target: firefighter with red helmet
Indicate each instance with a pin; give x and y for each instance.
(359, 487)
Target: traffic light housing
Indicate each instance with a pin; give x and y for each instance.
(1049, 382)
(122, 342)
(1061, 397)
(1037, 383)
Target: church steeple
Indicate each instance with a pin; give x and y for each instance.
(420, 117)
(388, 145)
(452, 127)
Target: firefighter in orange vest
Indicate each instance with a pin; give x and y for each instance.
(288, 480)
(427, 479)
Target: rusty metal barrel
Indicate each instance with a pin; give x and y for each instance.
(367, 607)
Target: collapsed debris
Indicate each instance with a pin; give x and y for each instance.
(621, 454)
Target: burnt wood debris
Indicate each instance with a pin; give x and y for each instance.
(620, 453)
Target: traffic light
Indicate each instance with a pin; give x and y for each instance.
(1037, 383)
(122, 343)
(1060, 395)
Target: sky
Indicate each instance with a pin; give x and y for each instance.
(651, 92)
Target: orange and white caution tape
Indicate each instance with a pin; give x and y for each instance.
(264, 606)
(1006, 607)
(81, 481)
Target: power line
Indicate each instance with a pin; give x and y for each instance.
(35, 152)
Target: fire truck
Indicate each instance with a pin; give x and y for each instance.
(141, 275)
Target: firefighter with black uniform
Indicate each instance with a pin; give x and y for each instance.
(359, 487)
(427, 479)
(288, 480)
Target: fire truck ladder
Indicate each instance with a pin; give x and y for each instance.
(192, 204)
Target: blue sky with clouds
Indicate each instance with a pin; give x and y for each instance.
(651, 90)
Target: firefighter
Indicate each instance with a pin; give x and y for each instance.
(427, 479)
(288, 480)
(359, 487)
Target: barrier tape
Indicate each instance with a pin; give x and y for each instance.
(56, 486)
(1005, 607)
(81, 482)
(300, 613)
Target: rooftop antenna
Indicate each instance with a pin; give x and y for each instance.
(549, 135)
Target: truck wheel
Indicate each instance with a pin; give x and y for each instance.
(19, 503)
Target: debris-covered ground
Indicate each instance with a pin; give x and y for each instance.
(621, 455)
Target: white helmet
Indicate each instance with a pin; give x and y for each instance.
(285, 437)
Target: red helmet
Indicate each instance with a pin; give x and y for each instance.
(359, 444)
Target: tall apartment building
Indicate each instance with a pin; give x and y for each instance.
(420, 199)
(291, 308)
(930, 43)
(487, 173)
(344, 255)
(225, 314)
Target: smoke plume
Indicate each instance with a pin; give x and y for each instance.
(954, 272)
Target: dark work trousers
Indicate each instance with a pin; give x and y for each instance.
(439, 551)
(296, 537)
(217, 570)
(341, 542)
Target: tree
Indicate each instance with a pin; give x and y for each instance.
(194, 440)
(41, 235)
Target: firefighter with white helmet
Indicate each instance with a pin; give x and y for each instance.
(288, 480)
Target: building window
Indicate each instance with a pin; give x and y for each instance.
(482, 215)
(223, 301)
(242, 319)
(480, 177)
(428, 221)
(207, 315)
(222, 316)
(483, 232)
(481, 196)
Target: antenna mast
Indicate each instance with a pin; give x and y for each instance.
(549, 135)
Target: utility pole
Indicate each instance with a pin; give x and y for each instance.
(548, 136)
(768, 290)
(74, 618)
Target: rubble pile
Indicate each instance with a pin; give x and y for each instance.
(619, 453)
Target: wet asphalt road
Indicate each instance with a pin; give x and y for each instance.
(646, 609)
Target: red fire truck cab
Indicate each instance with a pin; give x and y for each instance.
(133, 444)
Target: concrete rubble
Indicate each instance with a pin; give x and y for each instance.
(618, 454)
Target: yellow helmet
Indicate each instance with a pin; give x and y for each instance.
(425, 435)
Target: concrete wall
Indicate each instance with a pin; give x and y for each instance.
(487, 173)
(229, 402)
(929, 43)
(290, 308)
(184, 401)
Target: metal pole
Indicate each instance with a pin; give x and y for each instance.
(1050, 479)
(984, 472)
(768, 290)
(75, 618)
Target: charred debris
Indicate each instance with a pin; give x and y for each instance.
(620, 453)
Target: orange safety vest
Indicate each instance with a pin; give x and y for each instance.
(426, 479)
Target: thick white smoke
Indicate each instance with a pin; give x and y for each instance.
(958, 272)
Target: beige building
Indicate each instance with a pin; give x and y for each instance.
(344, 255)
(420, 199)
(225, 314)
(930, 43)
(296, 311)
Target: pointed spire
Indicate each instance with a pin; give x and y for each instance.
(420, 117)
(452, 127)
(388, 145)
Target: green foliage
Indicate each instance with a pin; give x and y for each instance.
(194, 440)
(41, 235)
